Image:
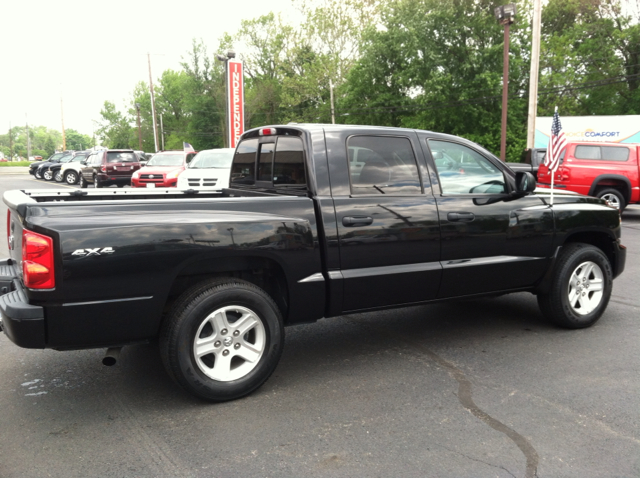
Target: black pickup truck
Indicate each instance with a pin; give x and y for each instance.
(318, 221)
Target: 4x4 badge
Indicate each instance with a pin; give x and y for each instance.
(93, 252)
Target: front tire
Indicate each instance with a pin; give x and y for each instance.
(222, 339)
(58, 176)
(580, 289)
(614, 197)
(47, 175)
(38, 174)
(71, 177)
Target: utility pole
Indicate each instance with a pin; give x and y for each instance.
(28, 139)
(139, 130)
(64, 136)
(534, 72)
(153, 106)
(10, 141)
(505, 14)
(162, 132)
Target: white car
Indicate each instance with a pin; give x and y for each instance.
(209, 170)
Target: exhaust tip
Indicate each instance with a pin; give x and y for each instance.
(111, 356)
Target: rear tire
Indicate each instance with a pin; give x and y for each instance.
(96, 182)
(83, 182)
(614, 197)
(580, 289)
(222, 339)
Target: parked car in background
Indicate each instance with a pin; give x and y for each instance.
(70, 171)
(107, 167)
(530, 161)
(209, 169)
(605, 170)
(162, 170)
(54, 157)
(55, 170)
(42, 171)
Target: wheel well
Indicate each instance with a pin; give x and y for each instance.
(264, 273)
(619, 185)
(597, 239)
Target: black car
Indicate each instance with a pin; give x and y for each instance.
(42, 171)
(53, 158)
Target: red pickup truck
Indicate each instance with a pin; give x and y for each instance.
(606, 170)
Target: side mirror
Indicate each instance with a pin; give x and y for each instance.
(525, 183)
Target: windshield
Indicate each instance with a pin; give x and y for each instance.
(213, 159)
(167, 160)
(66, 157)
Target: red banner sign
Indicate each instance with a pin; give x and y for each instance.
(235, 101)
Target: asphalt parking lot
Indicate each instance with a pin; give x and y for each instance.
(482, 388)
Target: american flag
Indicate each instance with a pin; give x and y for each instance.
(188, 148)
(557, 143)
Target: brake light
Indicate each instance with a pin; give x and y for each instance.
(37, 261)
(267, 131)
(103, 168)
(9, 228)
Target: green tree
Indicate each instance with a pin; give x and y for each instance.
(115, 129)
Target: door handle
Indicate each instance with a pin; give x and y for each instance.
(461, 216)
(356, 221)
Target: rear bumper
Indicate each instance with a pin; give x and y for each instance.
(22, 322)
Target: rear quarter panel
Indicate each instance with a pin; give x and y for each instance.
(117, 262)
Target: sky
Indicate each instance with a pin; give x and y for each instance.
(88, 52)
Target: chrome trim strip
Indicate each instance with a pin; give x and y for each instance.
(335, 275)
(483, 261)
(388, 270)
(317, 277)
(107, 301)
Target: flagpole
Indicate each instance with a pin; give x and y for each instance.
(552, 175)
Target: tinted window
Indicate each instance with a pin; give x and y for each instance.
(244, 161)
(463, 170)
(587, 152)
(615, 153)
(288, 164)
(265, 162)
(121, 157)
(382, 165)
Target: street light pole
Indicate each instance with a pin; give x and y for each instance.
(505, 15)
(139, 130)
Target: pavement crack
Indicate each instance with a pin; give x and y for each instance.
(465, 396)
(476, 459)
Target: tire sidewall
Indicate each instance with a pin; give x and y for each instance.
(615, 192)
(584, 254)
(189, 372)
(68, 175)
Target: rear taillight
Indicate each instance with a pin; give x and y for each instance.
(9, 228)
(37, 261)
(103, 168)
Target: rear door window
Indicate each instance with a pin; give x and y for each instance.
(382, 165)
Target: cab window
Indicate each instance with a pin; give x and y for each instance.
(382, 165)
(462, 170)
